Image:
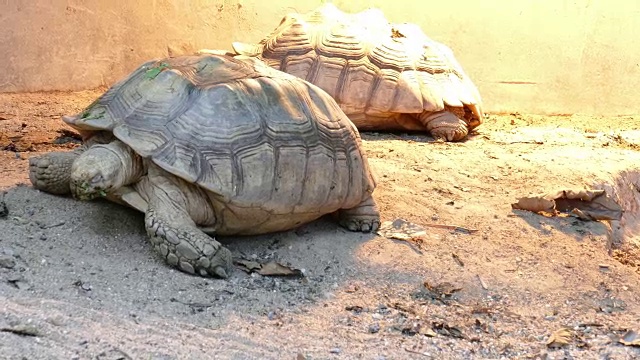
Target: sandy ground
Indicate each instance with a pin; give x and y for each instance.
(78, 280)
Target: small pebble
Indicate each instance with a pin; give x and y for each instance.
(7, 261)
(21, 285)
(335, 351)
(14, 278)
(43, 237)
(374, 328)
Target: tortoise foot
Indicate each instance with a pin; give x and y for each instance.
(445, 126)
(188, 248)
(51, 172)
(364, 218)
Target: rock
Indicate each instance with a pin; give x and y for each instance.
(7, 261)
(374, 328)
(4, 210)
(14, 278)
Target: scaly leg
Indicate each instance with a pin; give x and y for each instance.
(51, 172)
(365, 217)
(176, 237)
(445, 125)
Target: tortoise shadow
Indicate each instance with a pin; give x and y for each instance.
(415, 136)
(623, 188)
(578, 229)
(99, 250)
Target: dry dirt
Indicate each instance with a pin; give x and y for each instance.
(79, 281)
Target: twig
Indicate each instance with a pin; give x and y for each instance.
(49, 226)
(482, 283)
(451, 227)
(22, 330)
(457, 259)
(417, 352)
(193, 304)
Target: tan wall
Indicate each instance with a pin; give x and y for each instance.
(543, 56)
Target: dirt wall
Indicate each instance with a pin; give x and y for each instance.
(540, 56)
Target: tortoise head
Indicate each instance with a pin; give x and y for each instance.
(95, 173)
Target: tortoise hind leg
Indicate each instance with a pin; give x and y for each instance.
(176, 237)
(445, 125)
(365, 217)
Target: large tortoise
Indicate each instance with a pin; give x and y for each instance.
(218, 145)
(384, 76)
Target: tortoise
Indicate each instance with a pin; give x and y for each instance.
(211, 144)
(386, 77)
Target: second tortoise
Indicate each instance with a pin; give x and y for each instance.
(384, 76)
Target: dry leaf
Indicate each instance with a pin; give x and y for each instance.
(630, 338)
(401, 229)
(442, 290)
(273, 268)
(248, 266)
(586, 204)
(535, 204)
(446, 330)
(427, 331)
(559, 338)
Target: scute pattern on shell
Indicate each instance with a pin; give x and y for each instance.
(371, 67)
(253, 136)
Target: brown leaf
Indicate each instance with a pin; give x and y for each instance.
(401, 229)
(589, 205)
(427, 331)
(446, 330)
(535, 204)
(273, 268)
(247, 266)
(586, 204)
(442, 290)
(630, 338)
(559, 338)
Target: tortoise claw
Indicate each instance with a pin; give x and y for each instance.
(220, 272)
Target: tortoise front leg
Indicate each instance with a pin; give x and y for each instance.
(51, 172)
(175, 236)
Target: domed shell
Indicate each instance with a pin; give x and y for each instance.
(254, 136)
(369, 65)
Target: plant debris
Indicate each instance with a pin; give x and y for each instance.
(482, 283)
(457, 259)
(401, 229)
(67, 136)
(270, 268)
(22, 330)
(4, 210)
(630, 338)
(446, 330)
(151, 73)
(441, 292)
(588, 205)
(247, 266)
(417, 352)
(560, 338)
(355, 308)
